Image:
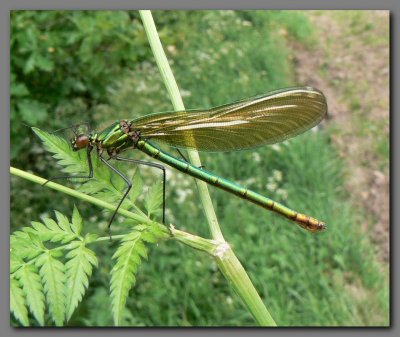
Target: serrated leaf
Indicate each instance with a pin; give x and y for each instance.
(92, 186)
(149, 237)
(150, 232)
(51, 230)
(89, 238)
(53, 276)
(76, 221)
(154, 198)
(73, 245)
(104, 185)
(15, 262)
(137, 186)
(157, 231)
(78, 270)
(24, 245)
(39, 227)
(61, 149)
(51, 226)
(33, 290)
(123, 272)
(141, 227)
(63, 222)
(17, 302)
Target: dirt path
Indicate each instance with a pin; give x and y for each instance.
(351, 66)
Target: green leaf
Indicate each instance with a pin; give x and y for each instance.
(123, 273)
(17, 302)
(151, 232)
(51, 230)
(43, 63)
(29, 65)
(61, 149)
(63, 222)
(78, 270)
(53, 276)
(18, 90)
(32, 111)
(24, 245)
(33, 290)
(137, 186)
(15, 262)
(92, 186)
(101, 185)
(154, 198)
(76, 221)
(90, 237)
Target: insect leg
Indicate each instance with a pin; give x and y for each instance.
(89, 176)
(128, 184)
(141, 162)
(181, 154)
(184, 158)
(74, 126)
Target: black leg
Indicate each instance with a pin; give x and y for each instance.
(89, 176)
(141, 162)
(128, 184)
(184, 158)
(72, 127)
(181, 154)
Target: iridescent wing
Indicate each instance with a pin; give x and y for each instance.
(252, 122)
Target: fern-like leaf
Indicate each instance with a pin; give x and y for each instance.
(151, 233)
(137, 186)
(53, 231)
(123, 273)
(52, 272)
(25, 245)
(33, 290)
(17, 302)
(154, 198)
(15, 261)
(104, 185)
(76, 222)
(72, 162)
(63, 286)
(78, 270)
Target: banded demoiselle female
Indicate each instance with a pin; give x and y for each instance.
(248, 123)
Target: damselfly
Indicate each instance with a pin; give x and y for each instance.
(248, 123)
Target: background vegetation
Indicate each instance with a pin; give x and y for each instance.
(97, 66)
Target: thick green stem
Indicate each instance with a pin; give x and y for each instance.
(226, 259)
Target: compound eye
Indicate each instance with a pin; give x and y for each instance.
(81, 141)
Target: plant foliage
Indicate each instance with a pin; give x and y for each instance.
(51, 261)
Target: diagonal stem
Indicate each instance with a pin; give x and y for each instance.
(225, 258)
(208, 246)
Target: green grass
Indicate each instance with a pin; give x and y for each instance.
(326, 279)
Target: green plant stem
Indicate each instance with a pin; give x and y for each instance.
(76, 194)
(173, 91)
(188, 239)
(228, 263)
(209, 246)
(107, 238)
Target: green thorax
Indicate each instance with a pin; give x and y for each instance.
(113, 137)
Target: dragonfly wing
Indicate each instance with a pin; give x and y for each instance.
(252, 122)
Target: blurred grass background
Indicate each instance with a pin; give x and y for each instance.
(96, 66)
